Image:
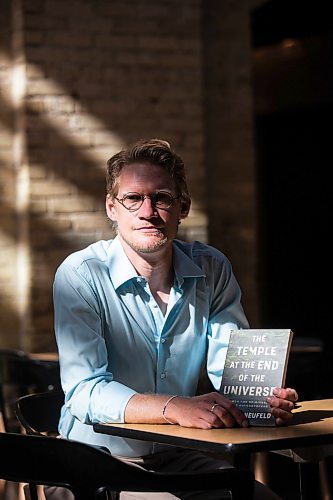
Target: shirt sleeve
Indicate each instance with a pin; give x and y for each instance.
(91, 393)
(226, 314)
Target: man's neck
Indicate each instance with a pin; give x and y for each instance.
(156, 268)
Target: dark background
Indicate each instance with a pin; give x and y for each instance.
(293, 97)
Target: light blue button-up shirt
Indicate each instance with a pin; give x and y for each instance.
(114, 341)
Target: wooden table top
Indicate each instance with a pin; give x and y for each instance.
(312, 426)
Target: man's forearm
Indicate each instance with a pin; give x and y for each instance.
(203, 412)
(146, 408)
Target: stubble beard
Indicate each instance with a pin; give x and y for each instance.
(146, 247)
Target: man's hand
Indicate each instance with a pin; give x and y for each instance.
(282, 403)
(205, 412)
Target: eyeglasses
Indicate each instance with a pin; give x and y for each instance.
(134, 201)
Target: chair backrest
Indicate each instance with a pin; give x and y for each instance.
(13, 383)
(39, 413)
(21, 375)
(86, 470)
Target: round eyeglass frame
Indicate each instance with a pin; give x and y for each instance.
(150, 196)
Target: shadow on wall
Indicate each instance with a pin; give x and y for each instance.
(114, 67)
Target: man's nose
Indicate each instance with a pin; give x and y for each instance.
(147, 208)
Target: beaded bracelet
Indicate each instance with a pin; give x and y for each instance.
(165, 407)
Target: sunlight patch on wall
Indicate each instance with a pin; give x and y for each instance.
(71, 119)
(20, 163)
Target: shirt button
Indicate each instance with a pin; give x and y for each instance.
(163, 375)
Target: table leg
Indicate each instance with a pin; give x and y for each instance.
(309, 482)
(243, 460)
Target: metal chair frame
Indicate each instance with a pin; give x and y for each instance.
(39, 415)
(90, 472)
(22, 375)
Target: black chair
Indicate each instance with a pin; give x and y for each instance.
(11, 384)
(89, 472)
(21, 375)
(39, 413)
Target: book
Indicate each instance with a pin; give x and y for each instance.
(256, 362)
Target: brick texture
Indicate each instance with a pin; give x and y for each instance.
(9, 330)
(99, 75)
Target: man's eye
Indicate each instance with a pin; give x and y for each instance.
(163, 198)
(132, 197)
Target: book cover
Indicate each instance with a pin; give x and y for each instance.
(256, 362)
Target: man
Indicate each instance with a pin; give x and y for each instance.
(137, 317)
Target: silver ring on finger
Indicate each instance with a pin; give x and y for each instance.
(213, 407)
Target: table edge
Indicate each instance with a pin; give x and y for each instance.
(232, 448)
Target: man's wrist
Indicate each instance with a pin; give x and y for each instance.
(165, 407)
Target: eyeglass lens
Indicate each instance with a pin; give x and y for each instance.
(161, 199)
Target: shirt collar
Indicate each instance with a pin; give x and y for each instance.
(121, 269)
(183, 264)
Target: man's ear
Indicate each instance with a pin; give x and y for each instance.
(185, 205)
(110, 210)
